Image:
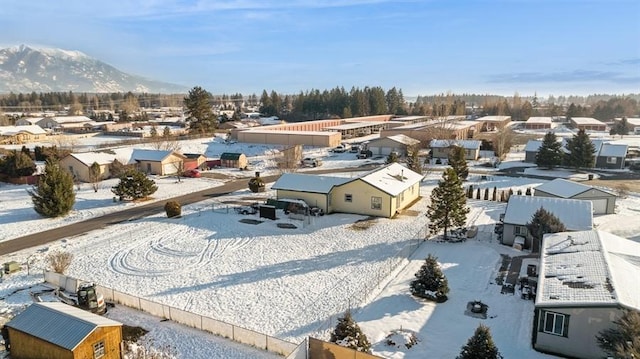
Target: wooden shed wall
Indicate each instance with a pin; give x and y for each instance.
(25, 346)
(112, 336)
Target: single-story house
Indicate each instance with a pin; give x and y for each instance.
(538, 123)
(382, 192)
(78, 164)
(233, 160)
(58, 121)
(603, 202)
(194, 160)
(396, 143)
(575, 215)
(441, 148)
(585, 280)
(158, 162)
(27, 121)
(587, 124)
(55, 330)
(492, 123)
(611, 156)
(21, 134)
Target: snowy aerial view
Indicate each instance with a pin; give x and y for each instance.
(289, 278)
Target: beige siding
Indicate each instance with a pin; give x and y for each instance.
(361, 200)
(27, 346)
(80, 171)
(312, 199)
(110, 336)
(331, 139)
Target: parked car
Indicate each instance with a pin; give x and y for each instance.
(340, 149)
(311, 162)
(316, 211)
(246, 210)
(355, 149)
(194, 173)
(364, 154)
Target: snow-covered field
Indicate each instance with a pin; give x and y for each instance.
(290, 282)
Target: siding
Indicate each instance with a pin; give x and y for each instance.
(80, 170)
(601, 162)
(312, 199)
(25, 346)
(361, 200)
(112, 336)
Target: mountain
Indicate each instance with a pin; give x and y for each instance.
(25, 69)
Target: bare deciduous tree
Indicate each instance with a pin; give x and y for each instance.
(502, 141)
(59, 261)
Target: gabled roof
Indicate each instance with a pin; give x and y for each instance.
(230, 156)
(14, 130)
(589, 268)
(88, 158)
(576, 215)
(151, 155)
(59, 323)
(308, 183)
(532, 146)
(564, 188)
(69, 119)
(392, 179)
(466, 144)
(402, 139)
(613, 150)
(193, 155)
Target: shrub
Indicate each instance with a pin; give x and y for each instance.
(256, 184)
(173, 209)
(348, 334)
(59, 261)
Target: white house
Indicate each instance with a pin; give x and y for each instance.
(603, 202)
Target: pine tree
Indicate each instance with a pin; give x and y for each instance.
(53, 196)
(154, 131)
(486, 194)
(348, 334)
(581, 151)
(134, 185)
(166, 132)
(448, 207)
(623, 340)
(200, 111)
(495, 194)
(392, 158)
(541, 223)
(478, 194)
(18, 164)
(458, 162)
(480, 345)
(413, 161)
(430, 282)
(470, 191)
(550, 152)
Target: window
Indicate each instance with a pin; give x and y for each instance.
(555, 323)
(348, 197)
(519, 230)
(98, 350)
(611, 160)
(376, 202)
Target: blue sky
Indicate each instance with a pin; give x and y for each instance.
(420, 46)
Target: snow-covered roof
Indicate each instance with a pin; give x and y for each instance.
(308, 183)
(402, 139)
(576, 215)
(539, 120)
(532, 146)
(59, 323)
(149, 155)
(392, 179)
(613, 150)
(14, 130)
(589, 268)
(31, 120)
(88, 158)
(408, 118)
(563, 188)
(597, 145)
(494, 118)
(586, 121)
(634, 121)
(466, 144)
(71, 119)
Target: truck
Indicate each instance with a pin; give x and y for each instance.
(86, 298)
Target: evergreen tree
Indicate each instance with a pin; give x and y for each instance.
(495, 194)
(448, 207)
(53, 196)
(413, 161)
(134, 185)
(486, 194)
(581, 151)
(392, 158)
(348, 334)
(18, 164)
(153, 133)
(458, 162)
(166, 132)
(550, 152)
(470, 191)
(623, 340)
(541, 223)
(430, 282)
(200, 111)
(480, 345)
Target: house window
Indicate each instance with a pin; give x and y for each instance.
(98, 350)
(611, 160)
(348, 197)
(376, 202)
(555, 323)
(519, 230)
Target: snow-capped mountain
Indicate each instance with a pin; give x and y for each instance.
(27, 69)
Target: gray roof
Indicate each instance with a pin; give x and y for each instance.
(59, 323)
(532, 146)
(466, 144)
(149, 155)
(308, 183)
(564, 188)
(613, 150)
(576, 215)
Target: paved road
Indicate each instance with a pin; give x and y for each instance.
(78, 228)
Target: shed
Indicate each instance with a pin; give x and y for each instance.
(611, 156)
(55, 330)
(194, 160)
(441, 148)
(585, 281)
(603, 202)
(396, 143)
(233, 160)
(575, 215)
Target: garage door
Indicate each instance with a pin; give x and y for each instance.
(170, 168)
(599, 206)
